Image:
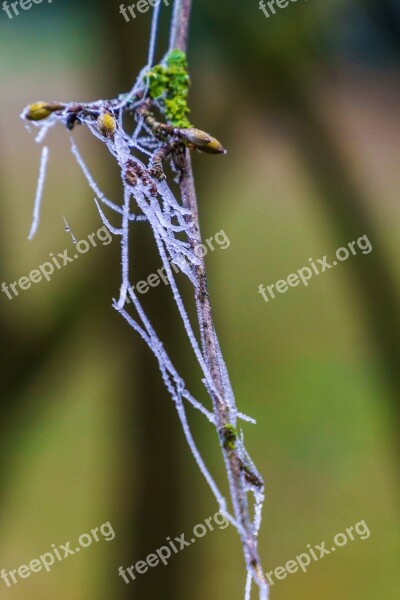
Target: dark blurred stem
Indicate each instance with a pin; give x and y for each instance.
(208, 335)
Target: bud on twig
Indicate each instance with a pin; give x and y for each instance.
(201, 140)
(106, 124)
(41, 110)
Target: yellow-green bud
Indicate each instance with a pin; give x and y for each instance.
(213, 147)
(41, 110)
(106, 124)
(195, 136)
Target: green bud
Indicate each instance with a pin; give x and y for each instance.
(41, 110)
(213, 147)
(195, 136)
(106, 124)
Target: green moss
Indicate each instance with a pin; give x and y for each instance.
(169, 84)
(229, 437)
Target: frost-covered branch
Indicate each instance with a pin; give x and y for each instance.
(223, 402)
(146, 158)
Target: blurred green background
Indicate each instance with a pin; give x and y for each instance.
(307, 104)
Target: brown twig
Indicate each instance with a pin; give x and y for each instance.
(236, 475)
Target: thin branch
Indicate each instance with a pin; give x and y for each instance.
(180, 30)
(209, 339)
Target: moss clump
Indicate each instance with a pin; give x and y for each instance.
(169, 84)
(229, 437)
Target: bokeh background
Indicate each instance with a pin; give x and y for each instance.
(307, 104)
